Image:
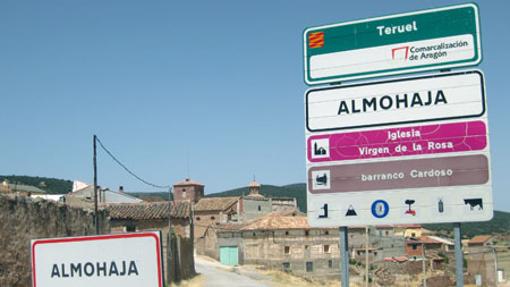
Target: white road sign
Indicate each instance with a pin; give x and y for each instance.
(432, 39)
(411, 150)
(405, 100)
(127, 260)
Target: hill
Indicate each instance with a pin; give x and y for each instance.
(50, 185)
(499, 224)
(297, 190)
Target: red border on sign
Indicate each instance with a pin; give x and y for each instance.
(101, 237)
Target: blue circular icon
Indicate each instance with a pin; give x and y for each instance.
(380, 208)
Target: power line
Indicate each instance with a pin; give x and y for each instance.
(127, 169)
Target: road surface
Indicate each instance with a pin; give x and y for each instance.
(217, 275)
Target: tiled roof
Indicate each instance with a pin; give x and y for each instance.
(435, 239)
(274, 221)
(215, 203)
(479, 239)
(187, 181)
(148, 210)
(408, 226)
(430, 240)
(256, 197)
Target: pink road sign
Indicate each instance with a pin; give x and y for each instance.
(405, 141)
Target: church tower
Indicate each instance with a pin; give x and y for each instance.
(188, 190)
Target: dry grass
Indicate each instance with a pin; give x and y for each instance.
(282, 279)
(197, 281)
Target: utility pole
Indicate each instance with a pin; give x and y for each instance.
(169, 247)
(96, 219)
(424, 264)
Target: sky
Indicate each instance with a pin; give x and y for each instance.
(212, 90)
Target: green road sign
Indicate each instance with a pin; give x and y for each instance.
(418, 41)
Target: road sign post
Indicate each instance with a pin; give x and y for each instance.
(344, 253)
(459, 256)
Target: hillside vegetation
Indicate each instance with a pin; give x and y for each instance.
(50, 185)
(500, 223)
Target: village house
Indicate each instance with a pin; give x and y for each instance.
(84, 197)
(488, 258)
(382, 243)
(480, 241)
(210, 211)
(152, 216)
(285, 241)
(281, 241)
(418, 247)
(132, 217)
(410, 230)
(21, 189)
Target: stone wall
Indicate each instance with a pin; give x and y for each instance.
(207, 245)
(181, 264)
(23, 219)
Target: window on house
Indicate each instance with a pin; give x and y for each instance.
(198, 218)
(375, 253)
(286, 233)
(330, 263)
(213, 218)
(307, 232)
(306, 247)
(413, 234)
(326, 249)
(259, 208)
(254, 234)
(326, 232)
(184, 194)
(286, 266)
(415, 246)
(387, 233)
(309, 266)
(286, 249)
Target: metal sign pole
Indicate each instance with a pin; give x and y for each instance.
(344, 254)
(459, 257)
